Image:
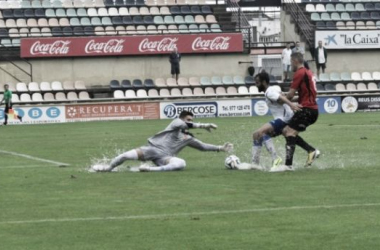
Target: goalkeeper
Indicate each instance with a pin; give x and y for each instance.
(163, 147)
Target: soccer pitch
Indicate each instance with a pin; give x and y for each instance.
(333, 205)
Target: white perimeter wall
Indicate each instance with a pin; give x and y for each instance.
(96, 71)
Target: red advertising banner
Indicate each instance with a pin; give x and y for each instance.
(112, 111)
(130, 45)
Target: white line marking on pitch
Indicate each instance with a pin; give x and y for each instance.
(176, 215)
(34, 158)
(25, 166)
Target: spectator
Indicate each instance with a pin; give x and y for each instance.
(320, 56)
(174, 60)
(286, 54)
(299, 49)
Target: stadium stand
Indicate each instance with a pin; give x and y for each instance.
(86, 18)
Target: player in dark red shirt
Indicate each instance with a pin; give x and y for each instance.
(306, 111)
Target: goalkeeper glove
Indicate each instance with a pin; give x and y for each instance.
(227, 147)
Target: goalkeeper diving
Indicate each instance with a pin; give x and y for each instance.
(162, 148)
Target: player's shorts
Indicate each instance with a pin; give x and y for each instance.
(7, 108)
(175, 69)
(303, 119)
(321, 65)
(286, 67)
(278, 125)
(156, 155)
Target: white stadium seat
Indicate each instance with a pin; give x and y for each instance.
(130, 94)
(366, 76)
(372, 86)
(253, 90)
(243, 90)
(118, 94)
(183, 81)
(221, 91)
(171, 82)
(72, 96)
(361, 87)
(355, 76)
(209, 91)
(37, 97)
(187, 92)
(351, 87)
(56, 86)
(49, 97)
(34, 87)
(21, 87)
(160, 82)
(68, 85)
(15, 98)
(45, 86)
(198, 92)
(83, 95)
(79, 85)
(175, 92)
(194, 81)
(340, 87)
(153, 93)
(60, 96)
(141, 93)
(164, 93)
(25, 98)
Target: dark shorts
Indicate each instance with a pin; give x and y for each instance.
(278, 125)
(321, 65)
(175, 69)
(303, 119)
(7, 108)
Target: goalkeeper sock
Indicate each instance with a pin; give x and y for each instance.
(290, 148)
(270, 146)
(256, 150)
(307, 147)
(173, 165)
(130, 155)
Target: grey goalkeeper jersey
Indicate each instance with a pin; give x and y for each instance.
(175, 137)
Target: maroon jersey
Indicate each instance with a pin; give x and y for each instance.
(304, 84)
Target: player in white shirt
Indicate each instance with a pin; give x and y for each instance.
(282, 113)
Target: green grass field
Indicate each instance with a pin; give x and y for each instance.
(334, 205)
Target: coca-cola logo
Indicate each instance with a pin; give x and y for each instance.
(112, 46)
(59, 47)
(218, 43)
(166, 44)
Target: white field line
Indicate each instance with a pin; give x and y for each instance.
(178, 215)
(25, 166)
(34, 158)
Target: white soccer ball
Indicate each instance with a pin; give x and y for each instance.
(232, 162)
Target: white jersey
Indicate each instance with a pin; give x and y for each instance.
(279, 111)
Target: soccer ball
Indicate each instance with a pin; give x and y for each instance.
(232, 162)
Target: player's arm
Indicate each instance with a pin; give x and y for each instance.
(282, 99)
(290, 95)
(208, 126)
(197, 144)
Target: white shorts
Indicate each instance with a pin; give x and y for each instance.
(286, 67)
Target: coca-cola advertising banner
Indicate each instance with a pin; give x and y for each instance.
(130, 45)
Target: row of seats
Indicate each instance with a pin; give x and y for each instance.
(106, 21)
(345, 16)
(45, 86)
(109, 30)
(94, 3)
(349, 7)
(187, 92)
(104, 12)
(348, 87)
(182, 81)
(340, 25)
(49, 97)
(333, 1)
(345, 76)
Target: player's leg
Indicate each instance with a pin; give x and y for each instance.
(6, 111)
(260, 137)
(323, 68)
(134, 154)
(165, 164)
(318, 69)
